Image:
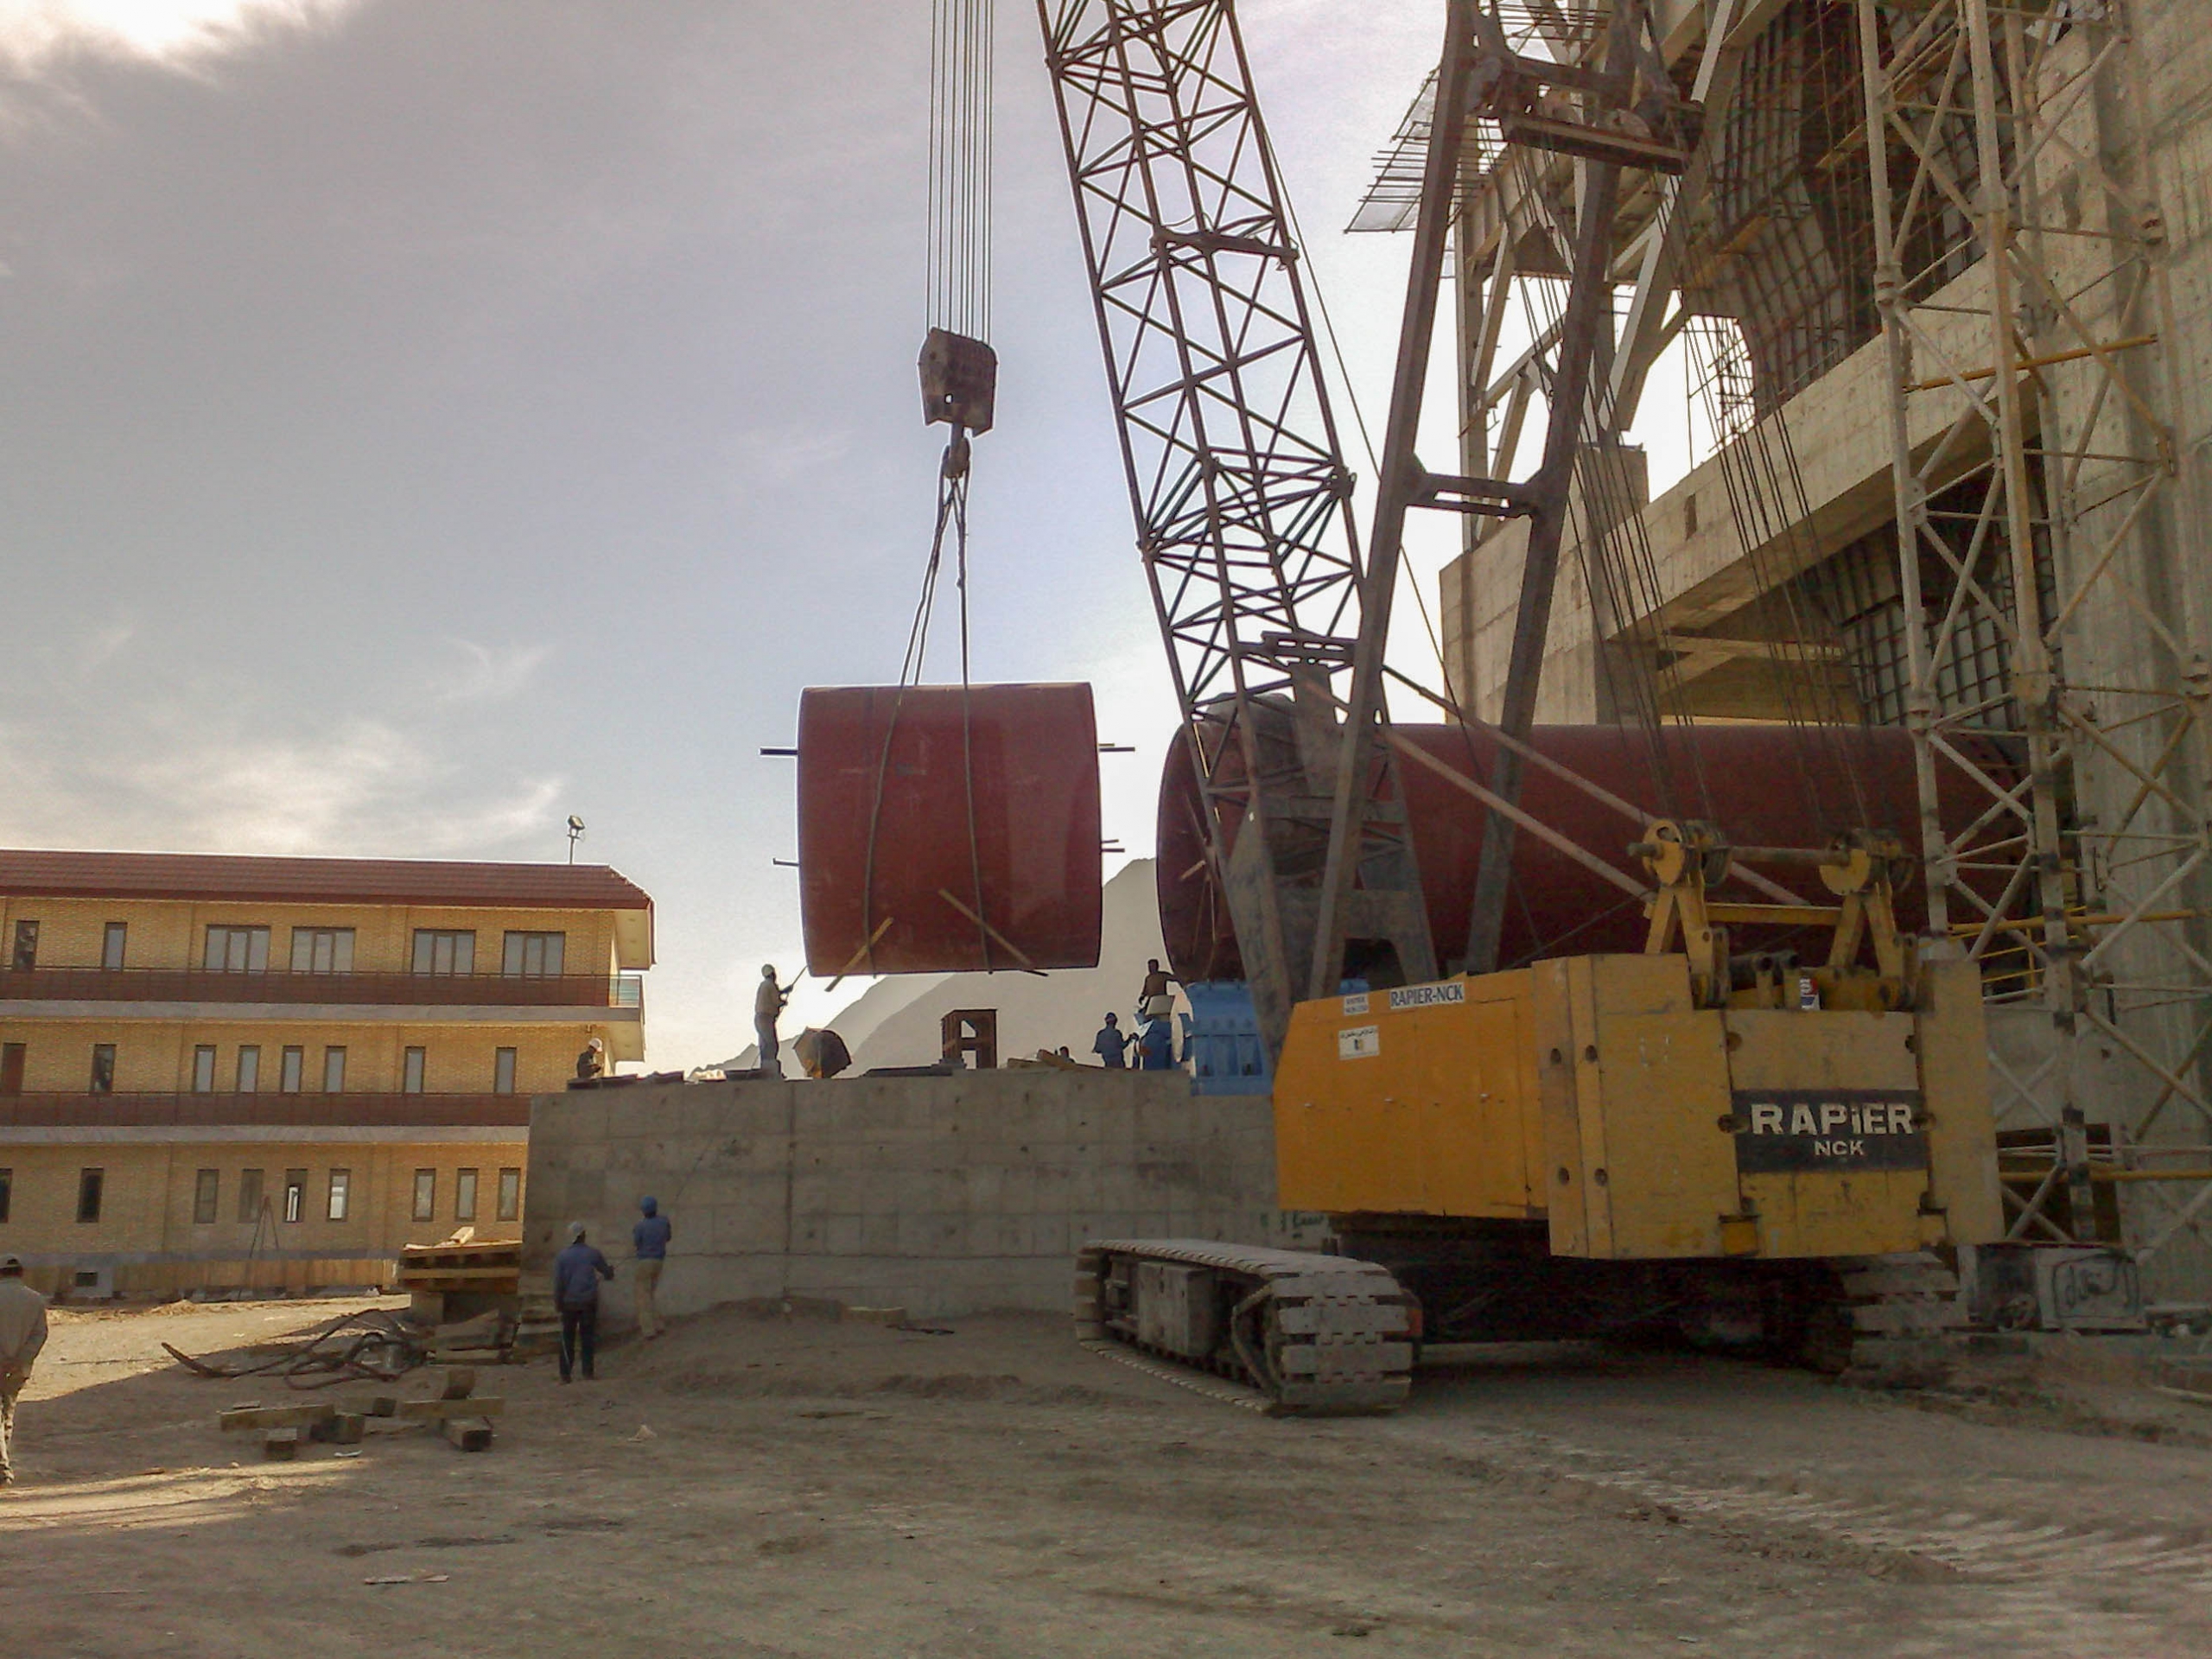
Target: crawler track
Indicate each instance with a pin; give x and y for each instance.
(1317, 1335)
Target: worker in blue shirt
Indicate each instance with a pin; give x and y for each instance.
(1156, 1045)
(649, 1243)
(1109, 1044)
(576, 1273)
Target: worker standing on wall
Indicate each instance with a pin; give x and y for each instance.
(576, 1273)
(768, 1002)
(1155, 1001)
(592, 1063)
(22, 1333)
(1110, 1043)
(649, 1243)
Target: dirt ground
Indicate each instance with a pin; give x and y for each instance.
(766, 1486)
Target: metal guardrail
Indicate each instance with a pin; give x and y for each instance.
(273, 985)
(304, 1111)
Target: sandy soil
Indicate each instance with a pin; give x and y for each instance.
(751, 1486)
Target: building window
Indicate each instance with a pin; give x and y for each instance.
(442, 951)
(295, 1193)
(91, 1186)
(333, 1070)
(206, 1196)
(112, 944)
(11, 1068)
(503, 1071)
(289, 1068)
(249, 1068)
(103, 1081)
(322, 949)
(426, 1195)
(534, 955)
(410, 1078)
(7, 1192)
(510, 1194)
(237, 950)
(464, 1195)
(203, 1069)
(249, 1195)
(340, 1182)
(26, 946)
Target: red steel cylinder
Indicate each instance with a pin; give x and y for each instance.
(895, 877)
(1768, 786)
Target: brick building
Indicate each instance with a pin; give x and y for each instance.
(219, 1071)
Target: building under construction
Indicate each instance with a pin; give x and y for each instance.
(1937, 272)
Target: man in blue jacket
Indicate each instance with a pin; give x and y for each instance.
(1110, 1043)
(649, 1243)
(576, 1273)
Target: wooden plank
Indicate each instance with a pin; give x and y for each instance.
(431, 1411)
(340, 1429)
(469, 1433)
(271, 1417)
(370, 1405)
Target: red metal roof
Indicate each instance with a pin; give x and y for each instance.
(227, 879)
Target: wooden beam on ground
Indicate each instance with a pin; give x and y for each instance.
(469, 1433)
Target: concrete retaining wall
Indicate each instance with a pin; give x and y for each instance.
(945, 1195)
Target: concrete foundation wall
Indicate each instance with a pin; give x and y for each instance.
(943, 1195)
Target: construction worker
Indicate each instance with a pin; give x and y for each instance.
(22, 1333)
(1111, 1043)
(768, 1002)
(1155, 1001)
(576, 1273)
(592, 1063)
(649, 1245)
(1156, 1045)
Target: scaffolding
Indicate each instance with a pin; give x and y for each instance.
(2020, 274)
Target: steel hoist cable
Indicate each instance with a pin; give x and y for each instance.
(957, 301)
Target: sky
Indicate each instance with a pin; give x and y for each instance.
(420, 421)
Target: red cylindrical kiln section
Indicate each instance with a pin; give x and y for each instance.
(1767, 785)
(944, 829)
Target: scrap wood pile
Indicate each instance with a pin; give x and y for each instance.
(497, 1336)
(462, 1264)
(457, 1412)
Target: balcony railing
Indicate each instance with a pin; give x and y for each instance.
(303, 1111)
(208, 985)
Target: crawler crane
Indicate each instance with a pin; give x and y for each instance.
(1702, 1135)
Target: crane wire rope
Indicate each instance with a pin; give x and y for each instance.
(957, 283)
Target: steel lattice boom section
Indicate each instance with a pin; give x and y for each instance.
(1234, 469)
(1242, 503)
(2042, 383)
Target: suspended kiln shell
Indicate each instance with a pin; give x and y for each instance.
(888, 871)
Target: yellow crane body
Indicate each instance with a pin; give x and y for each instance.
(1594, 1095)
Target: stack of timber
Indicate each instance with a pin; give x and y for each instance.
(487, 1339)
(457, 1412)
(460, 1264)
(536, 1328)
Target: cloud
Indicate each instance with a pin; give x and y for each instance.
(777, 456)
(360, 787)
(492, 673)
(102, 646)
(174, 32)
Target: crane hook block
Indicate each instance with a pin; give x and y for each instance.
(960, 379)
